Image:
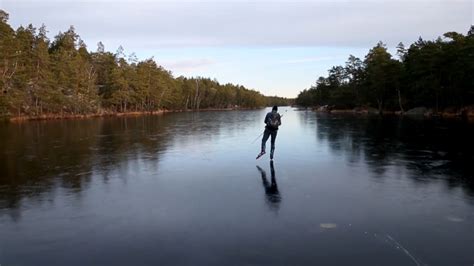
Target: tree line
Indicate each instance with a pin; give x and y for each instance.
(39, 77)
(436, 74)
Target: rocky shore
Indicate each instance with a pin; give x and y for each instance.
(467, 112)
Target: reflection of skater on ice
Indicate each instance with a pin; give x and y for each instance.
(271, 188)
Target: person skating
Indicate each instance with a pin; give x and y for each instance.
(272, 122)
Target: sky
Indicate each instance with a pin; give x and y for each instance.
(277, 47)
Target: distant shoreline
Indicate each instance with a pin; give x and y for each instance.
(113, 114)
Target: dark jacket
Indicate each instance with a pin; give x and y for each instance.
(272, 121)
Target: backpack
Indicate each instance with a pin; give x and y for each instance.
(274, 120)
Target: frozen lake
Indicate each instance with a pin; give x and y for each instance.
(185, 189)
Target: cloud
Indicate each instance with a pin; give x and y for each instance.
(310, 59)
(187, 65)
(145, 24)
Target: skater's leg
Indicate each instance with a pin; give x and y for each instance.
(274, 135)
(266, 135)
